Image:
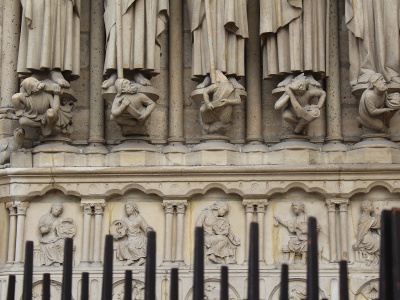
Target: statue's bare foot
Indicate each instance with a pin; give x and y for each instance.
(235, 83)
(110, 81)
(312, 81)
(363, 79)
(139, 78)
(396, 79)
(286, 81)
(206, 82)
(58, 78)
(129, 262)
(141, 261)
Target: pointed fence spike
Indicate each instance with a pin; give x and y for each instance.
(85, 286)
(46, 287)
(67, 269)
(150, 281)
(396, 251)
(312, 260)
(386, 264)
(28, 272)
(108, 268)
(198, 284)
(174, 287)
(284, 282)
(343, 280)
(224, 283)
(128, 285)
(11, 288)
(253, 288)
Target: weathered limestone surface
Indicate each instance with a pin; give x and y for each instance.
(178, 176)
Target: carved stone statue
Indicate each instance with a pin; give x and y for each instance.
(134, 228)
(368, 241)
(130, 108)
(136, 47)
(10, 144)
(219, 239)
(50, 39)
(376, 107)
(293, 35)
(219, 30)
(298, 292)
(216, 114)
(299, 227)
(296, 106)
(374, 32)
(44, 105)
(54, 230)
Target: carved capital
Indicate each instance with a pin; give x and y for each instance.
(168, 207)
(331, 205)
(87, 208)
(181, 208)
(261, 206)
(22, 207)
(12, 208)
(249, 206)
(344, 206)
(99, 208)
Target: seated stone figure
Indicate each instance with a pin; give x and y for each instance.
(220, 241)
(134, 227)
(368, 241)
(40, 105)
(376, 107)
(295, 103)
(130, 109)
(216, 114)
(299, 227)
(53, 230)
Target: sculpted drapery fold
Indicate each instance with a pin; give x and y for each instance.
(143, 21)
(374, 39)
(50, 37)
(229, 31)
(294, 36)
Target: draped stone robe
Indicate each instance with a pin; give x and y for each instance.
(50, 37)
(143, 21)
(229, 31)
(374, 27)
(294, 36)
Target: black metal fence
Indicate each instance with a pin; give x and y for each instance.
(389, 282)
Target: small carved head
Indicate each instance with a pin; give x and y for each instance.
(131, 208)
(31, 85)
(56, 209)
(298, 207)
(123, 85)
(377, 80)
(367, 206)
(221, 207)
(300, 84)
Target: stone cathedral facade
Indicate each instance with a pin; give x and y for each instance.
(119, 117)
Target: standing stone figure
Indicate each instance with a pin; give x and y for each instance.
(227, 33)
(54, 230)
(293, 34)
(135, 228)
(374, 31)
(368, 241)
(142, 22)
(219, 239)
(299, 227)
(377, 107)
(296, 106)
(50, 38)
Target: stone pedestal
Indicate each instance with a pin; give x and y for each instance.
(295, 142)
(215, 143)
(375, 140)
(135, 144)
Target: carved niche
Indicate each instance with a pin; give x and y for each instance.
(219, 239)
(133, 230)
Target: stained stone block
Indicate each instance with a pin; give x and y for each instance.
(21, 159)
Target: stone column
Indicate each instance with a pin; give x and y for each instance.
(254, 82)
(10, 43)
(87, 215)
(12, 232)
(180, 215)
(332, 229)
(343, 208)
(96, 112)
(19, 244)
(176, 139)
(261, 209)
(98, 237)
(169, 211)
(334, 137)
(249, 211)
